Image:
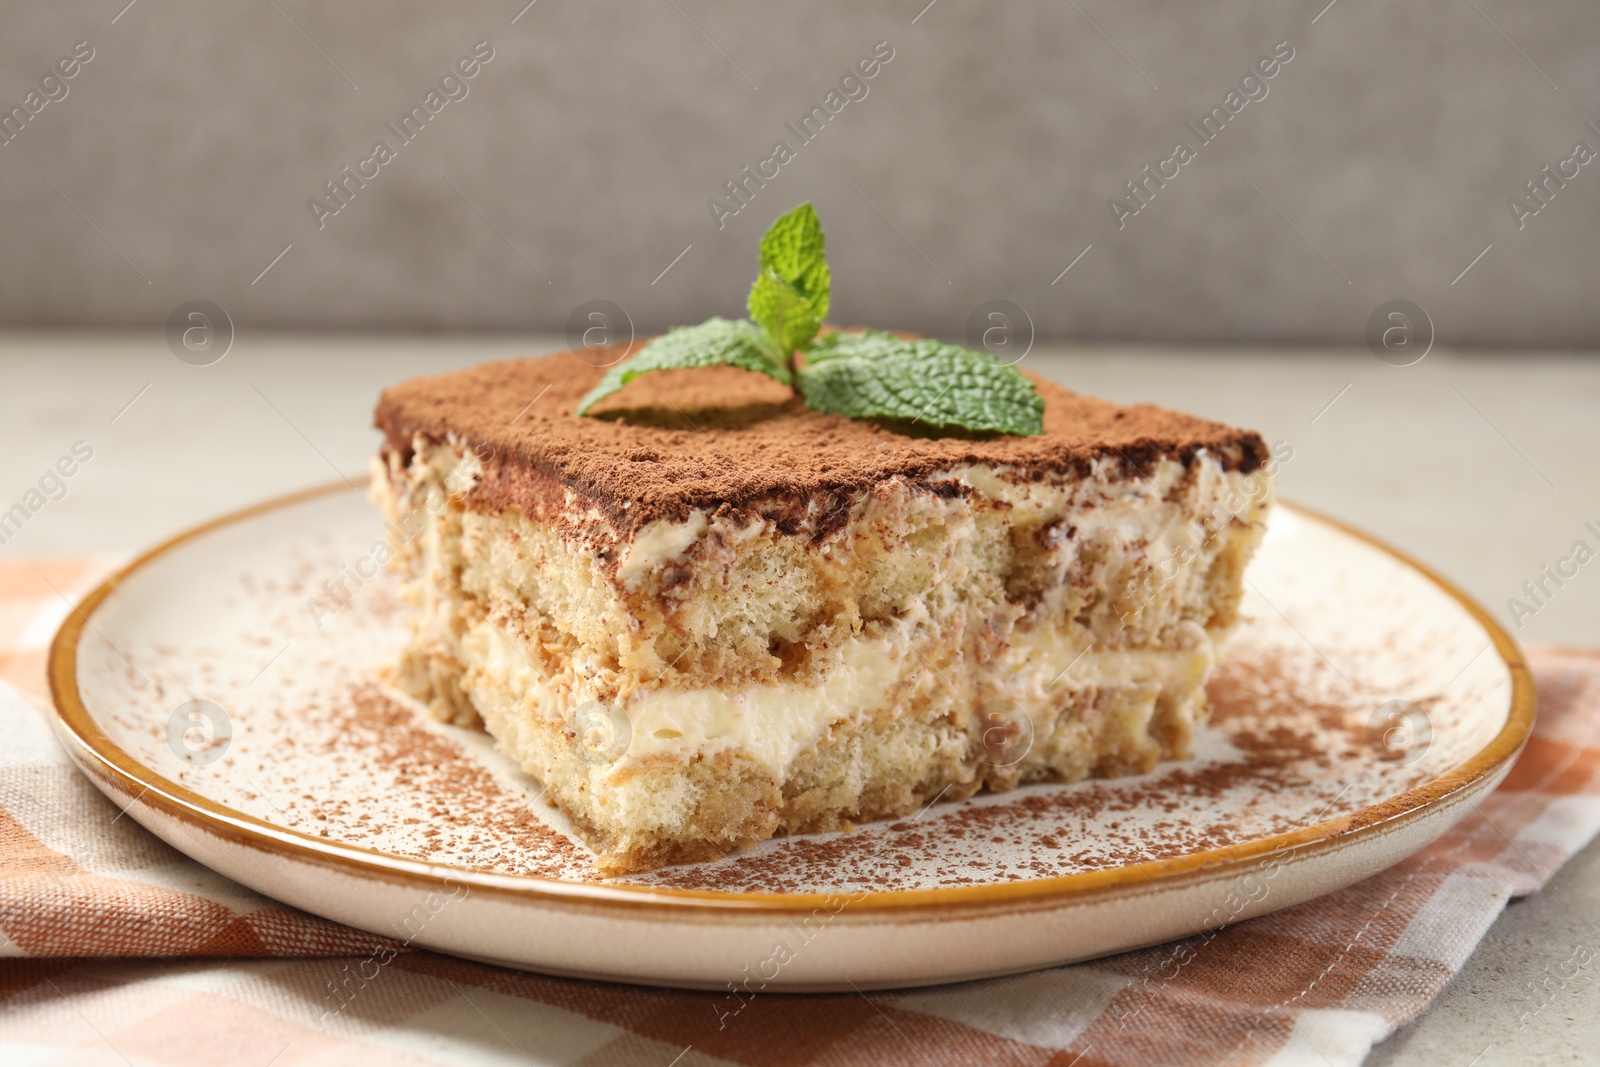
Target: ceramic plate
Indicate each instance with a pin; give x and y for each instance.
(224, 689)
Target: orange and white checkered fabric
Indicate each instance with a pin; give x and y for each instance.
(114, 947)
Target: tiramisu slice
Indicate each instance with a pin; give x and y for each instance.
(711, 614)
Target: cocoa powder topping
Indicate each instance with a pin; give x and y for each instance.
(680, 440)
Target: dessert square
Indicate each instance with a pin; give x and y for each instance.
(711, 615)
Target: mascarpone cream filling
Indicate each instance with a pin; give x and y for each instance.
(776, 723)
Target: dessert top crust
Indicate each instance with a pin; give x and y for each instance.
(715, 438)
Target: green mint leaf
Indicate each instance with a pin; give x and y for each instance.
(783, 313)
(793, 249)
(877, 375)
(733, 343)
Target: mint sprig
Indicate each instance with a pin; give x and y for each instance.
(872, 374)
(790, 296)
(731, 342)
(867, 374)
(786, 315)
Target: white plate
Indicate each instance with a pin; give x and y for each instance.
(1358, 714)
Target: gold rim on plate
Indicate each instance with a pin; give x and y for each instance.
(113, 769)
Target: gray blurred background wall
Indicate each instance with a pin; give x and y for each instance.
(979, 164)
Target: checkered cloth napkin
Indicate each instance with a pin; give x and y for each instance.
(122, 947)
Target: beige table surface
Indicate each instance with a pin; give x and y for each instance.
(1481, 464)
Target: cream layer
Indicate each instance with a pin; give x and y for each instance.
(775, 723)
